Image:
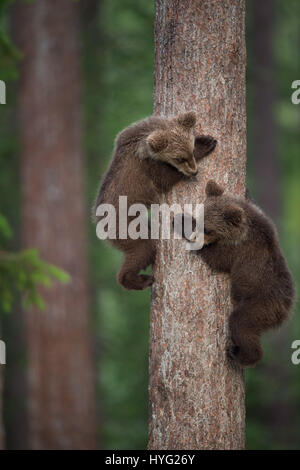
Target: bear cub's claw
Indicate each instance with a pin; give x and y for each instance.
(207, 142)
(232, 351)
(244, 357)
(133, 281)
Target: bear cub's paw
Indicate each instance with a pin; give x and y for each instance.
(204, 145)
(244, 357)
(133, 281)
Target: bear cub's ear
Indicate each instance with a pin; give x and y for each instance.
(213, 189)
(157, 141)
(233, 215)
(187, 120)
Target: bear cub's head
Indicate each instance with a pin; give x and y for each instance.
(175, 144)
(224, 217)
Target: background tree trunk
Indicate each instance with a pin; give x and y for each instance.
(61, 401)
(196, 395)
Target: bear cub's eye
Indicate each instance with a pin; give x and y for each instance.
(207, 231)
(180, 160)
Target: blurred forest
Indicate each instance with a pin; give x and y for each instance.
(117, 56)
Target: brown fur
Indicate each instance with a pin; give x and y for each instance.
(149, 158)
(241, 240)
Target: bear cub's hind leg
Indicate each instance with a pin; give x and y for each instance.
(136, 260)
(246, 348)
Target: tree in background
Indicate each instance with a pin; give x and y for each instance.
(20, 272)
(61, 402)
(196, 395)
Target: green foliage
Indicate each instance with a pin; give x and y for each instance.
(22, 273)
(8, 52)
(5, 230)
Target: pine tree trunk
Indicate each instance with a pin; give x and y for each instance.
(61, 398)
(196, 394)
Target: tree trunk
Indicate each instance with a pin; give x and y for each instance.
(196, 394)
(61, 397)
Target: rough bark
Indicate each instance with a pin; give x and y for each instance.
(61, 401)
(196, 394)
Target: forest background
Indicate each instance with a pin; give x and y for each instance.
(117, 60)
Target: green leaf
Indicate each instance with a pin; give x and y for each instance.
(5, 229)
(58, 273)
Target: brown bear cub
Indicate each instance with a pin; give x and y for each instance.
(149, 158)
(241, 240)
